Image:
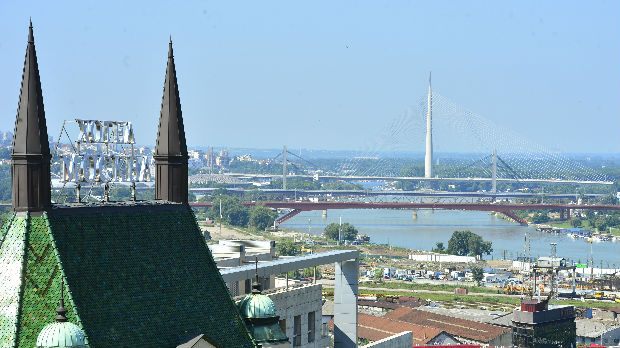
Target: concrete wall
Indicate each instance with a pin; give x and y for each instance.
(301, 301)
(234, 254)
(504, 340)
(552, 314)
(442, 258)
(401, 340)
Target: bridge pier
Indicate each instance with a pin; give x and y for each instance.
(561, 214)
(567, 214)
(324, 216)
(415, 215)
(345, 303)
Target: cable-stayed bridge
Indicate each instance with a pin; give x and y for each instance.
(423, 179)
(508, 157)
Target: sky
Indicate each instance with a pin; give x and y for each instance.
(322, 74)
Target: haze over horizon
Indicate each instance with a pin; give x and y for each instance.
(324, 76)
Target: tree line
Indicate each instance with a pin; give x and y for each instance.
(233, 212)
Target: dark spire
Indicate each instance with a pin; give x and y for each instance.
(255, 284)
(171, 133)
(31, 152)
(30, 34)
(171, 148)
(61, 318)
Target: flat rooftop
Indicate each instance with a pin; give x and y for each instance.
(283, 265)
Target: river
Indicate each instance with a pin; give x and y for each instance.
(400, 228)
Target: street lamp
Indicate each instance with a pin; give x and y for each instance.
(591, 260)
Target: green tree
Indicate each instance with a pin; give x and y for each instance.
(575, 223)
(261, 217)
(378, 274)
(477, 274)
(464, 243)
(346, 231)
(540, 218)
(233, 212)
(609, 199)
(439, 248)
(287, 247)
(309, 272)
(601, 225)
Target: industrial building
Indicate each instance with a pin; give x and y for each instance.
(536, 324)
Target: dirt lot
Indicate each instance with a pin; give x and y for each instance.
(229, 233)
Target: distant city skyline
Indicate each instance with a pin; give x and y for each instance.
(324, 76)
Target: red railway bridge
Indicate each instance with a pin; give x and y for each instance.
(504, 208)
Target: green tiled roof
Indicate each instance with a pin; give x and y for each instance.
(27, 243)
(135, 276)
(42, 282)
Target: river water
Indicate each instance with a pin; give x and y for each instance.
(400, 228)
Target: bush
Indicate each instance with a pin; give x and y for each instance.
(287, 247)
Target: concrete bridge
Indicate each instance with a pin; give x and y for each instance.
(407, 178)
(505, 208)
(397, 193)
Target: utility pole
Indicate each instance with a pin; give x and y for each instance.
(339, 230)
(591, 260)
(220, 216)
(494, 173)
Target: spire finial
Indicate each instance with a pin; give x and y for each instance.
(30, 33)
(430, 74)
(170, 55)
(61, 318)
(256, 284)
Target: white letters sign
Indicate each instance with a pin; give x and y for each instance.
(109, 164)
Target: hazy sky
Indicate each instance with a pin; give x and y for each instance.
(322, 74)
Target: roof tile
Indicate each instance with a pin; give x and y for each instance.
(470, 329)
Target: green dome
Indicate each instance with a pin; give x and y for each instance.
(61, 334)
(257, 306)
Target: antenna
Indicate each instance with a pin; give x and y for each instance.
(256, 285)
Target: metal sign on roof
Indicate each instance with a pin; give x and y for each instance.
(104, 152)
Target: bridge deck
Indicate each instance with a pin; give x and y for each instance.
(498, 207)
